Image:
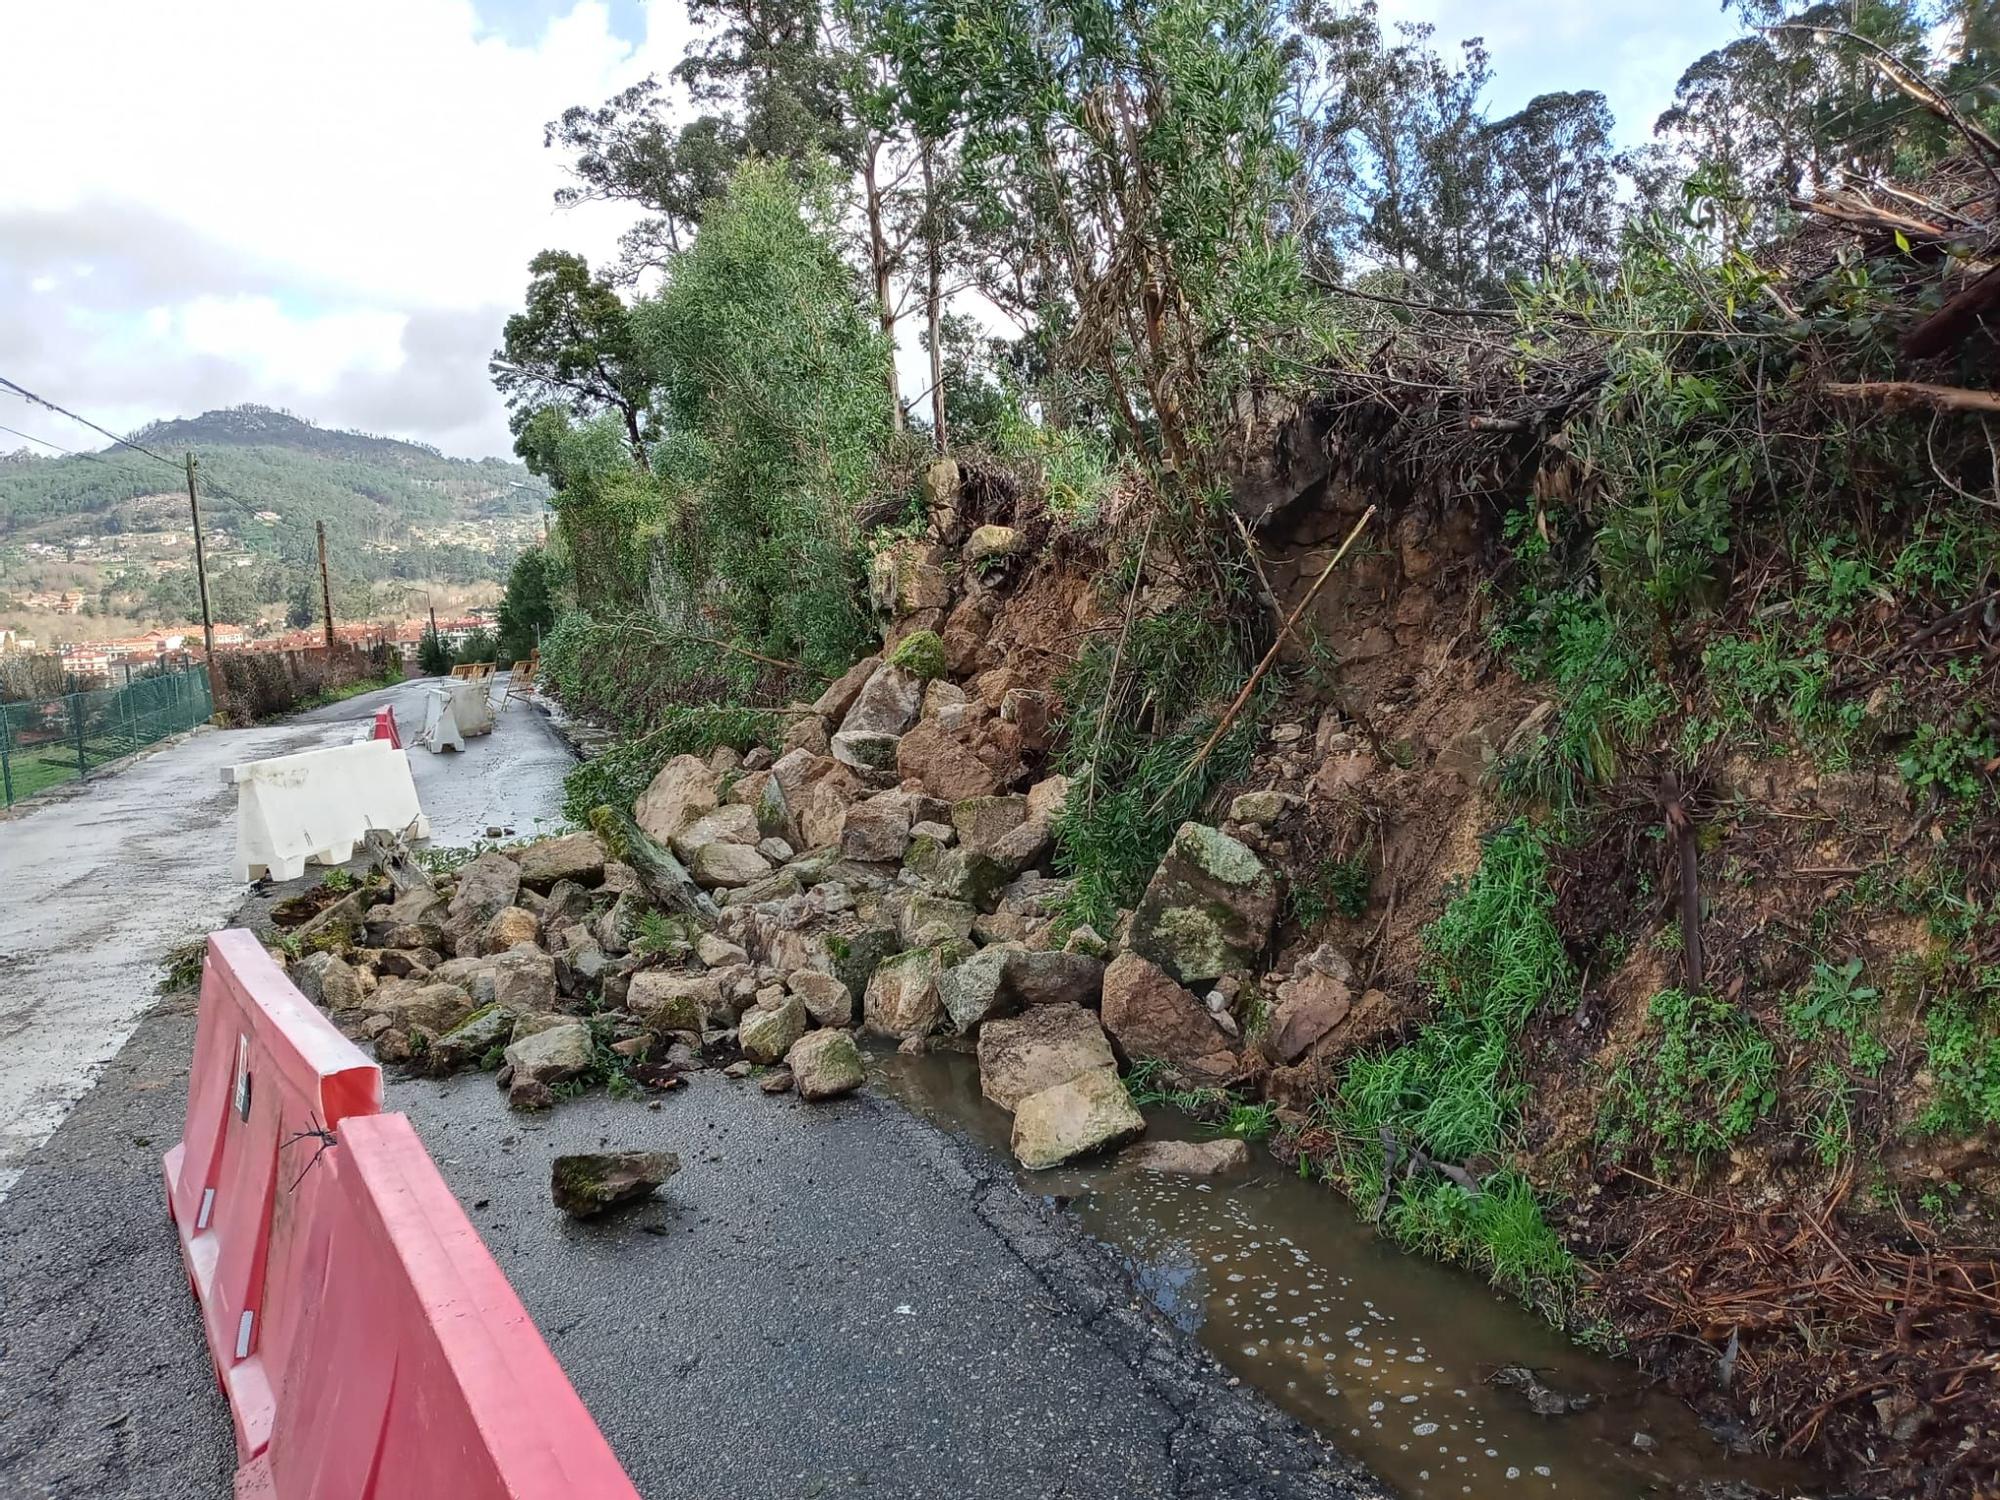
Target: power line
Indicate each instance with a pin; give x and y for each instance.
(96, 458)
(29, 436)
(28, 395)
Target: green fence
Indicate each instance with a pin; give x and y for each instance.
(47, 741)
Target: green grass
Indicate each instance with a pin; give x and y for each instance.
(1499, 1230)
(1127, 754)
(1608, 695)
(1246, 1122)
(1698, 1081)
(1333, 885)
(1962, 1052)
(1493, 959)
(1834, 1004)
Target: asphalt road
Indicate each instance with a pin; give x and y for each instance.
(826, 1300)
(96, 885)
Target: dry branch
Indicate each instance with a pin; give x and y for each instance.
(1270, 656)
(1895, 394)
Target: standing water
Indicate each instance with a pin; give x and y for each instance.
(1391, 1355)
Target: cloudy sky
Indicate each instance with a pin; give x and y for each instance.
(330, 208)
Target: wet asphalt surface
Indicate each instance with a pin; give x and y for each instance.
(99, 881)
(828, 1299)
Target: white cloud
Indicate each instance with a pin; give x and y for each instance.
(259, 201)
(331, 207)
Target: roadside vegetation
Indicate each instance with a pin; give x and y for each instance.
(1715, 421)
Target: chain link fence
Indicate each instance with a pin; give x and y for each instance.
(47, 741)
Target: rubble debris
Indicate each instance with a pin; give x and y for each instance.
(586, 1184)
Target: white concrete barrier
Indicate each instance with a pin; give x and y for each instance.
(317, 805)
(440, 722)
(455, 713)
(472, 705)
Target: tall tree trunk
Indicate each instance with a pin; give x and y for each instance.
(933, 298)
(878, 265)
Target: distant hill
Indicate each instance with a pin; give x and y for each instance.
(392, 508)
(267, 427)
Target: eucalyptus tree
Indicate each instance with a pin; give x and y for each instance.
(571, 348)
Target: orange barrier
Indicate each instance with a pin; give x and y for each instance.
(385, 725)
(418, 1372)
(269, 1070)
(367, 1343)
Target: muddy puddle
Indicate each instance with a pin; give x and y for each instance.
(1391, 1355)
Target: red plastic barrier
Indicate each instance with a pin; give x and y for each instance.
(417, 1371)
(385, 725)
(267, 1068)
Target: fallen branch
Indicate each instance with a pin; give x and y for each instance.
(1952, 322)
(391, 856)
(1284, 631)
(1894, 394)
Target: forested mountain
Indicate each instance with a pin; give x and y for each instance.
(392, 509)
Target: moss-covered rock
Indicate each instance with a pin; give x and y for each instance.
(588, 1183)
(1208, 909)
(921, 653)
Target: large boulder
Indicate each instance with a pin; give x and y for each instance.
(823, 804)
(928, 920)
(826, 999)
(467, 1044)
(975, 991)
(1047, 977)
(330, 981)
(1208, 909)
(888, 703)
(824, 1064)
(1149, 1015)
(415, 919)
(946, 766)
(686, 788)
(1310, 1005)
(486, 886)
(1188, 1158)
(833, 704)
(589, 1183)
(567, 905)
(732, 823)
(990, 542)
(509, 926)
(866, 750)
(767, 1035)
(908, 578)
(1089, 1112)
(999, 980)
(1038, 1049)
(575, 856)
(674, 1002)
(773, 808)
(858, 951)
(877, 831)
(553, 1056)
(521, 980)
(982, 822)
(902, 1000)
(721, 866)
(432, 1009)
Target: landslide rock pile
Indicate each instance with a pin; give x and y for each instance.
(766, 909)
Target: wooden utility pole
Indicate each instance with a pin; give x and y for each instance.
(201, 585)
(325, 588)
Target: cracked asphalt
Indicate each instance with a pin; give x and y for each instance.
(828, 1299)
